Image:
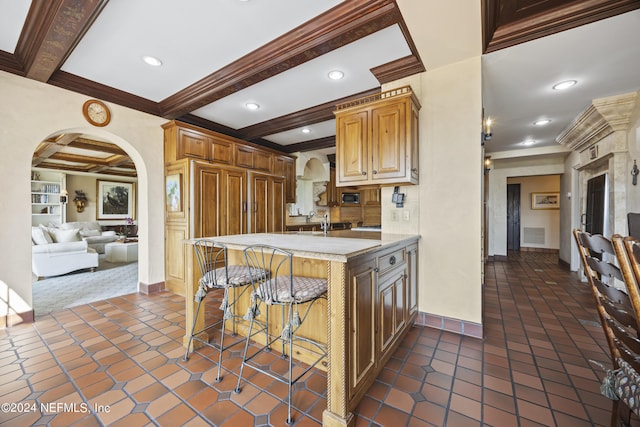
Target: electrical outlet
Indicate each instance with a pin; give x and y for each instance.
(405, 215)
(394, 216)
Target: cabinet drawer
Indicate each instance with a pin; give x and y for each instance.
(391, 260)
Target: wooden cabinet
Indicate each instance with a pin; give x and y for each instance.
(252, 158)
(371, 196)
(220, 200)
(209, 173)
(267, 204)
(286, 166)
(392, 288)
(193, 144)
(361, 280)
(377, 140)
(382, 291)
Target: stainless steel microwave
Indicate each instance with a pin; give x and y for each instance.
(350, 198)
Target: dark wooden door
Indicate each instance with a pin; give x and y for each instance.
(513, 217)
(594, 217)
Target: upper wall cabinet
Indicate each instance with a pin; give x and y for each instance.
(377, 139)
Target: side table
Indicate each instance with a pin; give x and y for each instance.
(121, 252)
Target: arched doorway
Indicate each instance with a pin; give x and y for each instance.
(84, 204)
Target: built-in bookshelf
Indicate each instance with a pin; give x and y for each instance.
(45, 197)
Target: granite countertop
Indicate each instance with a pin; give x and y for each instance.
(339, 245)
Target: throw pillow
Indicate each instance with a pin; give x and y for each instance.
(37, 236)
(89, 233)
(47, 234)
(63, 236)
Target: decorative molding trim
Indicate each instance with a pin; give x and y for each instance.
(508, 23)
(51, 31)
(154, 288)
(407, 66)
(449, 324)
(316, 114)
(335, 28)
(603, 117)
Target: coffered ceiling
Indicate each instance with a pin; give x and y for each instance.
(218, 56)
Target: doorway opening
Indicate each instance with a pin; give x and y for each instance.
(84, 225)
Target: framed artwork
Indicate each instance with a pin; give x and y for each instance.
(545, 200)
(116, 200)
(173, 196)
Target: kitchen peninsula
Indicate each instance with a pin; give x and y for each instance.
(372, 302)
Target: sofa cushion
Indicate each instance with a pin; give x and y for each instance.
(82, 225)
(61, 248)
(40, 236)
(63, 236)
(89, 233)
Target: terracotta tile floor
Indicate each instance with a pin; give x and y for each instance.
(125, 354)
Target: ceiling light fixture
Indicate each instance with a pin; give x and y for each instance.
(542, 122)
(336, 75)
(252, 106)
(152, 60)
(306, 130)
(564, 85)
(529, 142)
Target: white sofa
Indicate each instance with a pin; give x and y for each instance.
(92, 233)
(51, 258)
(55, 259)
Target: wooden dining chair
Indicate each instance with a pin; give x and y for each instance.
(617, 316)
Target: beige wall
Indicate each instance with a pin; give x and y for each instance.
(548, 219)
(31, 111)
(446, 206)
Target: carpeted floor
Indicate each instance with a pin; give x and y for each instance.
(82, 287)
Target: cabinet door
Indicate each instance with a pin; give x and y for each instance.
(276, 204)
(244, 156)
(362, 332)
(222, 151)
(290, 176)
(235, 207)
(371, 196)
(352, 140)
(208, 187)
(259, 202)
(391, 299)
(262, 160)
(388, 142)
(332, 190)
(193, 144)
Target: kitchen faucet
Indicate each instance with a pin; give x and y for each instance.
(310, 215)
(324, 224)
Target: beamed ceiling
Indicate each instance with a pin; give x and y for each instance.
(217, 58)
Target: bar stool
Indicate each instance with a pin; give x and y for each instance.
(216, 273)
(274, 284)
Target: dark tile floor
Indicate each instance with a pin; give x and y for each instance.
(125, 355)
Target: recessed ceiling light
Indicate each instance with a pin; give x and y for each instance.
(306, 130)
(336, 75)
(542, 122)
(528, 142)
(252, 106)
(152, 60)
(564, 85)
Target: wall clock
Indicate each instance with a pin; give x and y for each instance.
(96, 112)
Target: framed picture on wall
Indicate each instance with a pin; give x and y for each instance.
(545, 200)
(173, 200)
(116, 200)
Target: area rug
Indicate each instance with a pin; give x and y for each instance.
(82, 287)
